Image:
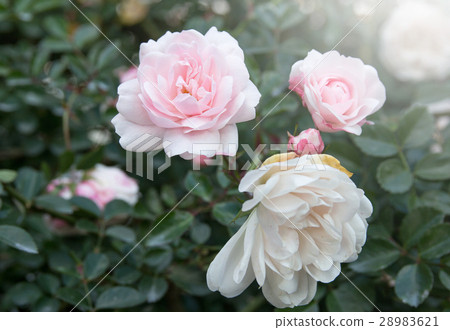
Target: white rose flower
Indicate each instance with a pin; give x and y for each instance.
(114, 180)
(415, 40)
(308, 217)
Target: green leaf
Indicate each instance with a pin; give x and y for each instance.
(348, 155)
(346, 298)
(200, 233)
(204, 188)
(444, 277)
(190, 279)
(225, 212)
(394, 177)
(383, 226)
(46, 304)
(84, 35)
(416, 223)
(121, 233)
(86, 205)
(125, 274)
(48, 282)
(17, 238)
(119, 297)
(168, 195)
(106, 56)
(376, 140)
(86, 225)
(437, 199)
(73, 297)
(154, 288)
(65, 160)
(153, 201)
(415, 128)
(377, 254)
(116, 208)
(54, 203)
(7, 176)
(434, 167)
(56, 26)
(25, 293)
(413, 284)
(29, 182)
(436, 242)
(90, 159)
(222, 179)
(95, 265)
(158, 259)
(61, 262)
(169, 228)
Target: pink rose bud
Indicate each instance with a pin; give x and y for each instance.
(307, 142)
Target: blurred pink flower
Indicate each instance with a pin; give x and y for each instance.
(102, 184)
(92, 190)
(129, 74)
(190, 89)
(307, 142)
(339, 92)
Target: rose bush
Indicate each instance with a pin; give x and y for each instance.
(59, 94)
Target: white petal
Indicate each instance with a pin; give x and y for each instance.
(179, 142)
(129, 104)
(258, 262)
(135, 137)
(305, 289)
(325, 276)
(229, 140)
(220, 272)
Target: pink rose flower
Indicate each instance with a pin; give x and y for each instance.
(339, 92)
(190, 89)
(102, 184)
(95, 192)
(113, 181)
(308, 142)
(129, 74)
(107, 183)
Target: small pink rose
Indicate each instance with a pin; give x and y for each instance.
(339, 92)
(190, 89)
(307, 142)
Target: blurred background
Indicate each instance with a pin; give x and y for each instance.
(59, 79)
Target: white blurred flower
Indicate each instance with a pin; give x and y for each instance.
(441, 107)
(364, 7)
(306, 220)
(99, 136)
(220, 7)
(415, 40)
